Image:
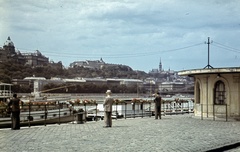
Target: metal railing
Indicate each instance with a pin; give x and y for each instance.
(214, 111)
(58, 113)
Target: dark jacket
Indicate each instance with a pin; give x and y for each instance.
(15, 104)
(157, 101)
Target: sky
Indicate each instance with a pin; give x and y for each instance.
(137, 33)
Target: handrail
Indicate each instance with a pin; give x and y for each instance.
(218, 110)
(61, 112)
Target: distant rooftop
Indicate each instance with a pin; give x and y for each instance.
(34, 78)
(9, 42)
(5, 84)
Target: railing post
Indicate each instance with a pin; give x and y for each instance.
(160, 114)
(58, 112)
(142, 108)
(226, 113)
(116, 110)
(29, 113)
(96, 112)
(150, 109)
(163, 106)
(133, 110)
(45, 113)
(170, 107)
(213, 112)
(85, 106)
(72, 111)
(125, 110)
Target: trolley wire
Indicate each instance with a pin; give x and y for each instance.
(116, 55)
(225, 47)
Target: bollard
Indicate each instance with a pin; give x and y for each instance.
(80, 117)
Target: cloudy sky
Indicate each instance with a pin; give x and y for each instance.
(137, 33)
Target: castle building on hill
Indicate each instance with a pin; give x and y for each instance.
(33, 59)
(90, 64)
(8, 52)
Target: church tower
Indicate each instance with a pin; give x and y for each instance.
(160, 66)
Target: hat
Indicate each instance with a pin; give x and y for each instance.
(108, 91)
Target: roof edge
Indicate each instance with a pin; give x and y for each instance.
(209, 71)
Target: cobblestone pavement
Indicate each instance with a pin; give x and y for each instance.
(181, 133)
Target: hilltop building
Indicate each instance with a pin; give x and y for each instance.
(96, 64)
(33, 59)
(90, 64)
(8, 52)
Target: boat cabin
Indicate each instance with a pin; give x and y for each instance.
(5, 91)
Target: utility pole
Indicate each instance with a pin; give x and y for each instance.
(208, 65)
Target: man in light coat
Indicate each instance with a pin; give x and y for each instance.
(108, 109)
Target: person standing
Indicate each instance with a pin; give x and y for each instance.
(15, 106)
(108, 109)
(157, 101)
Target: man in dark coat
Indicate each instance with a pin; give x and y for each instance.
(157, 101)
(15, 106)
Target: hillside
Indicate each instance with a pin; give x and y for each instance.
(10, 70)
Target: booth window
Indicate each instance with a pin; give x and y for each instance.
(219, 93)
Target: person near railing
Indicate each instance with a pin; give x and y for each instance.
(108, 102)
(157, 102)
(14, 105)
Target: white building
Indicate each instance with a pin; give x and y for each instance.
(171, 86)
(216, 91)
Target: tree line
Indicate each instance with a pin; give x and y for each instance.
(92, 88)
(10, 70)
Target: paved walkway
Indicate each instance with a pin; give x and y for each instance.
(180, 133)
